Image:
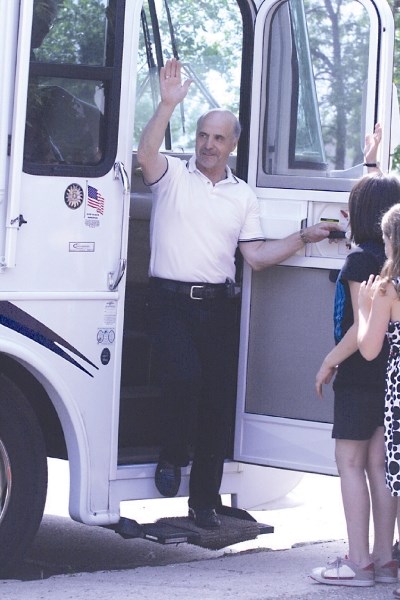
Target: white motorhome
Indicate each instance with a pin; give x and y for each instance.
(75, 357)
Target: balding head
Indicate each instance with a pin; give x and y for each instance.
(217, 135)
(223, 112)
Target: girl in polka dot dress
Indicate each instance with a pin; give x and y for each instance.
(379, 310)
(379, 318)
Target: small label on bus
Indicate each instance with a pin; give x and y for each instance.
(81, 246)
(105, 336)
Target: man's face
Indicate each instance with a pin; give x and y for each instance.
(214, 142)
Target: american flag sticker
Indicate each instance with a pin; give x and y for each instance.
(95, 201)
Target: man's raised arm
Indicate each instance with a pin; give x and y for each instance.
(172, 91)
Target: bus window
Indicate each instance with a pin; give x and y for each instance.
(73, 84)
(207, 38)
(313, 80)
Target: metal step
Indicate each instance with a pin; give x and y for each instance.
(236, 526)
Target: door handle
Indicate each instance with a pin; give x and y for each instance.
(114, 277)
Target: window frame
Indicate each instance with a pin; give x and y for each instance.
(301, 175)
(111, 77)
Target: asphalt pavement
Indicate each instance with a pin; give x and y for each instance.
(72, 561)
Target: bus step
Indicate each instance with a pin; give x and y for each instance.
(163, 533)
(167, 533)
(236, 526)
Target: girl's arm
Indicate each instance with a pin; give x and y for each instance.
(372, 142)
(374, 316)
(345, 348)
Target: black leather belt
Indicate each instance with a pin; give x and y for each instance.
(195, 291)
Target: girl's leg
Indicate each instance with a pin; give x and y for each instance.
(351, 459)
(398, 520)
(384, 506)
(396, 547)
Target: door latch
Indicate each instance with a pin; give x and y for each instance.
(20, 219)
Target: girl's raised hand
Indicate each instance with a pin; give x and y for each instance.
(372, 142)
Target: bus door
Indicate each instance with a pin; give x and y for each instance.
(69, 151)
(66, 214)
(322, 77)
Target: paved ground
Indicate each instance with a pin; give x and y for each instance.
(72, 561)
(253, 575)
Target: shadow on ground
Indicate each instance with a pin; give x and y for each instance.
(63, 547)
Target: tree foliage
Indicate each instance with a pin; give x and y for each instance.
(207, 36)
(71, 40)
(339, 41)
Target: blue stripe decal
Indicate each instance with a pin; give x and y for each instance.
(18, 320)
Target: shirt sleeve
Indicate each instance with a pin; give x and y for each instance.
(359, 265)
(251, 229)
(172, 167)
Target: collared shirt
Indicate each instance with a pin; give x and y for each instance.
(196, 226)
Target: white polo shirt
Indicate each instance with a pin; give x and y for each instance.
(195, 226)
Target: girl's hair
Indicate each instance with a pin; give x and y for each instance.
(369, 199)
(391, 229)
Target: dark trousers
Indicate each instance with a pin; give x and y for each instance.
(193, 346)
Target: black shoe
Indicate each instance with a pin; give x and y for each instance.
(206, 518)
(167, 478)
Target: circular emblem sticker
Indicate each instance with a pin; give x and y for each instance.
(73, 196)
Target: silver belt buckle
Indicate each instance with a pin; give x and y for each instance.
(194, 287)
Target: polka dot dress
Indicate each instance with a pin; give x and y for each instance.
(392, 410)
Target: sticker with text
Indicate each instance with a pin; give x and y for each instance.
(94, 206)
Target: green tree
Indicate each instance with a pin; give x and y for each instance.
(207, 35)
(71, 40)
(339, 48)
